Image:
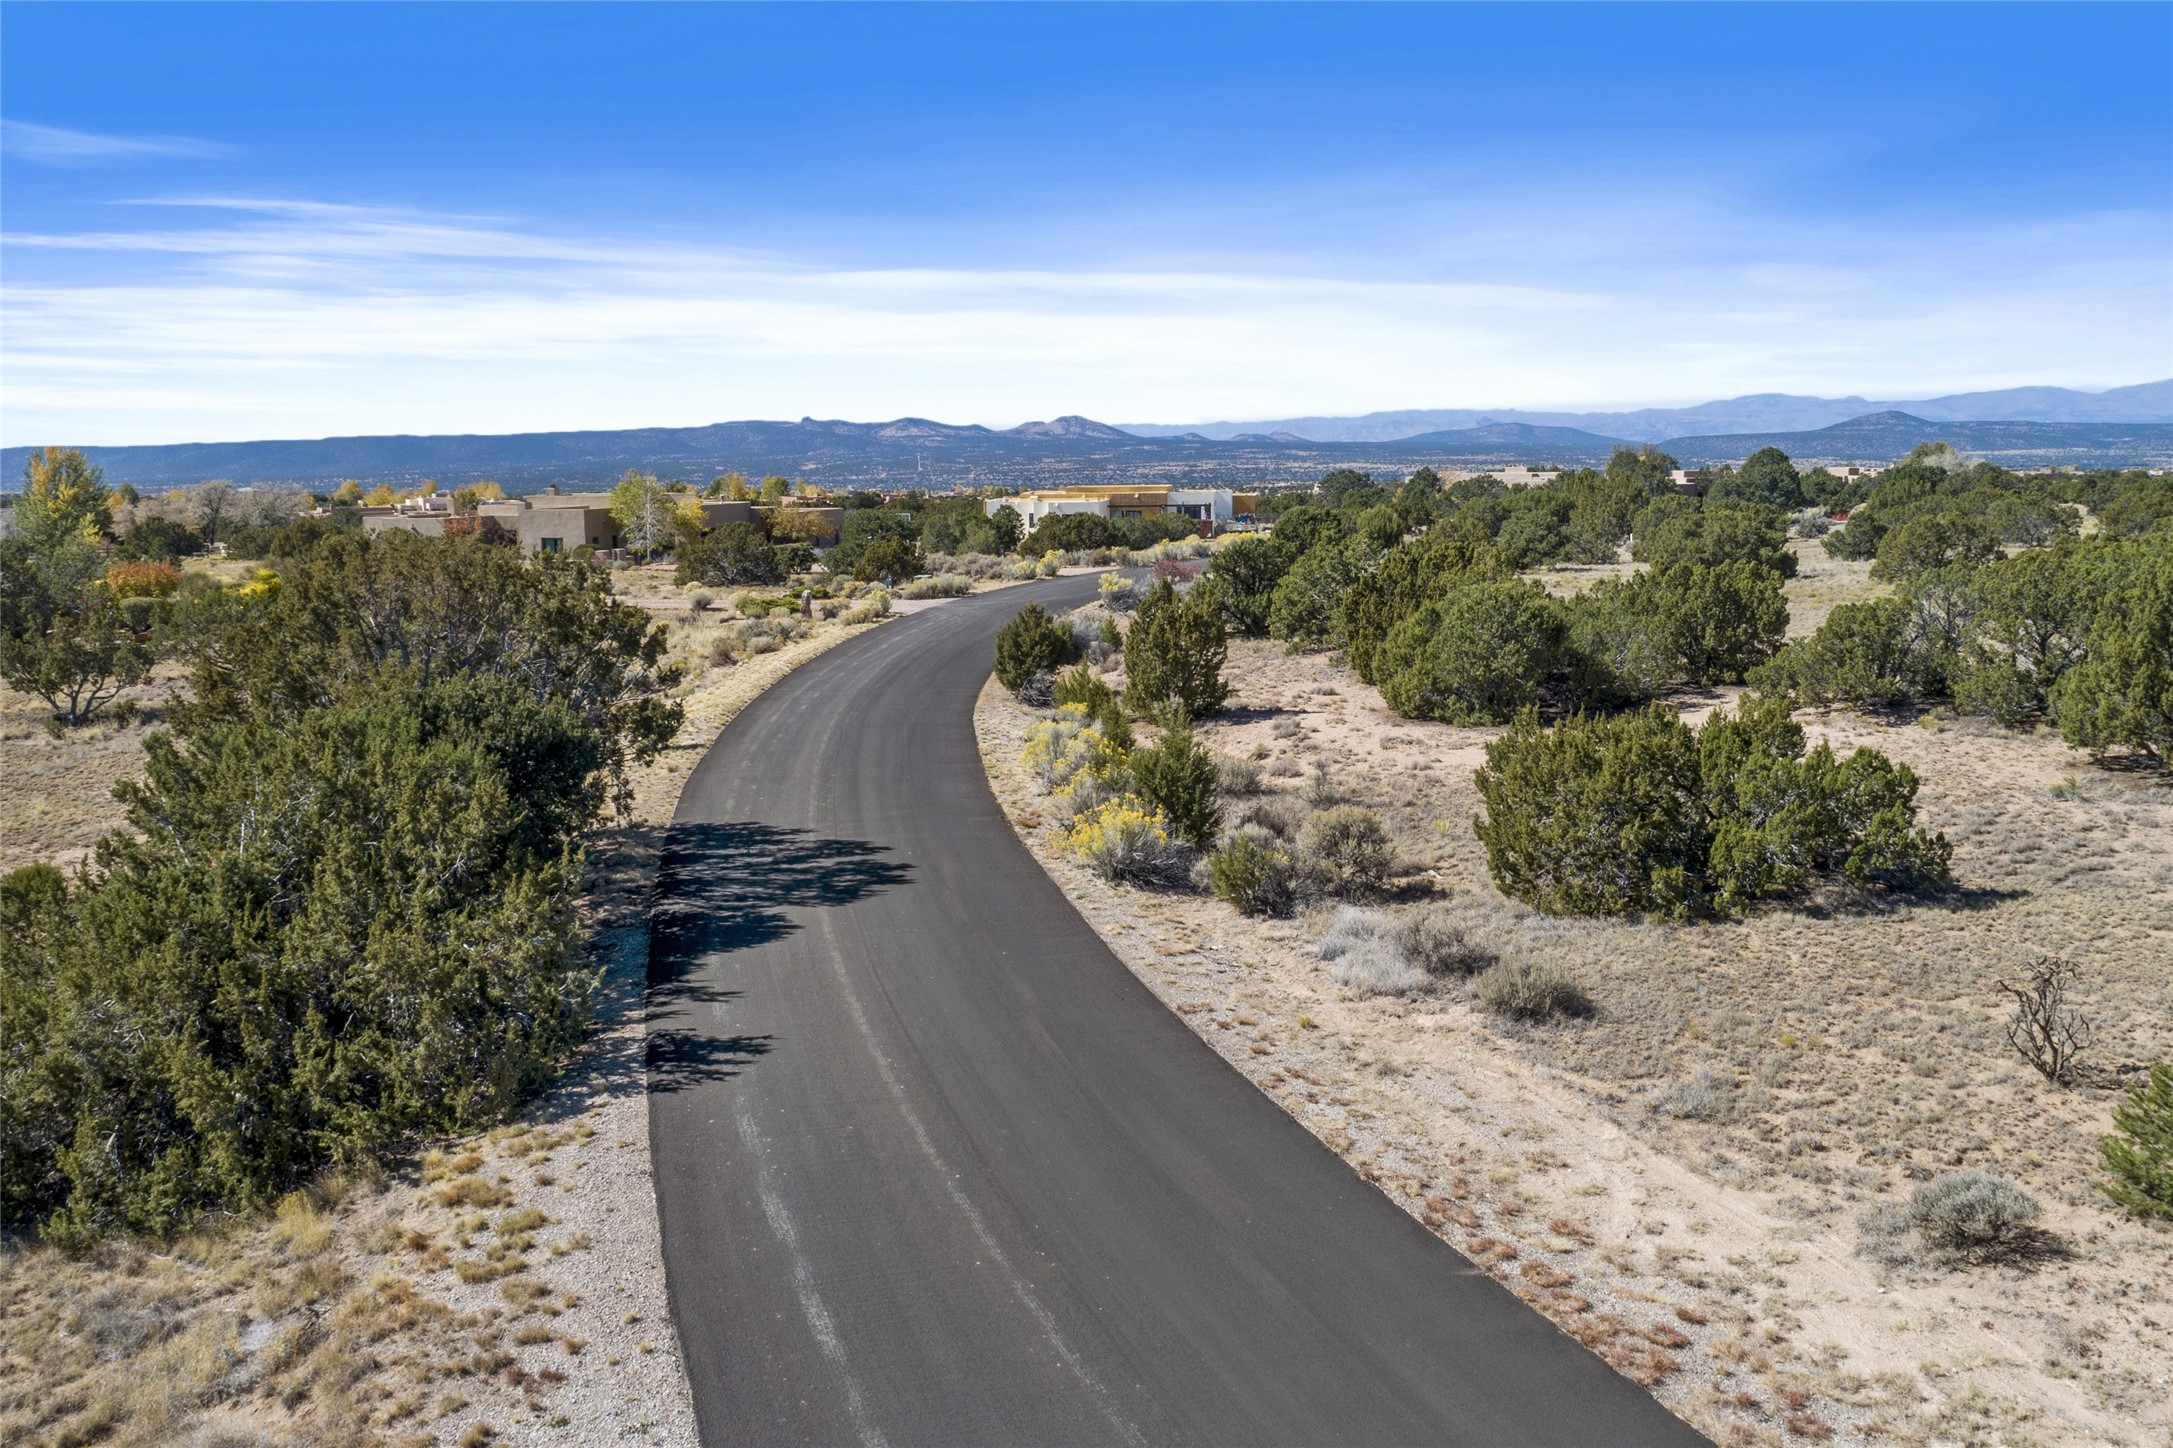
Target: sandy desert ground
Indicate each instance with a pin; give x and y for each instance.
(1678, 1180)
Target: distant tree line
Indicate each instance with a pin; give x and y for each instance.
(2003, 607)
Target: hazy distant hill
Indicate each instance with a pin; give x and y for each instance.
(915, 452)
(906, 452)
(1520, 439)
(1760, 412)
(1883, 436)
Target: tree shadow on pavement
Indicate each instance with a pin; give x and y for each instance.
(722, 888)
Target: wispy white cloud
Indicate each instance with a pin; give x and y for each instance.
(284, 318)
(57, 145)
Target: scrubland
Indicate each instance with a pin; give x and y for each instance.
(1695, 1176)
(503, 1288)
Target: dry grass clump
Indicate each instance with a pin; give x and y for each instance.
(1001, 568)
(327, 1323)
(1530, 990)
(1346, 850)
(1360, 945)
(1379, 952)
(868, 610)
(1240, 778)
(940, 585)
(1703, 1097)
(1962, 1217)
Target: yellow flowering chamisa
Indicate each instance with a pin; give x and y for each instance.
(1070, 750)
(1125, 838)
(262, 585)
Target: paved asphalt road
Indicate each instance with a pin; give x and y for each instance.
(934, 1168)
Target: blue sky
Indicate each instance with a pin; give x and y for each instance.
(228, 221)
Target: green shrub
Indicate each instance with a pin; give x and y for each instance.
(1476, 656)
(1248, 570)
(1600, 511)
(862, 530)
(1306, 610)
(2139, 1152)
(1070, 533)
(1175, 650)
(1597, 816)
(729, 555)
(1080, 685)
(1935, 540)
(2137, 511)
(1530, 538)
(1410, 576)
(1182, 781)
(1636, 814)
(2120, 696)
(1864, 655)
(1255, 872)
(887, 558)
(1031, 643)
(1718, 532)
(63, 637)
(1723, 619)
(159, 539)
(1619, 652)
(1767, 476)
(1529, 990)
(1346, 850)
(1778, 818)
(1973, 1216)
(1308, 526)
(139, 614)
(344, 911)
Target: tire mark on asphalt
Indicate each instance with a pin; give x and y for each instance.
(819, 1321)
(1019, 1286)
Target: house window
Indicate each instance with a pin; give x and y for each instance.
(551, 545)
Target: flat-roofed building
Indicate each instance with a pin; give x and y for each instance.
(556, 522)
(422, 516)
(1205, 505)
(1518, 476)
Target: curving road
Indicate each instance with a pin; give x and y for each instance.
(934, 1168)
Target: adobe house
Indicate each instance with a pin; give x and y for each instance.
(556, 522)
(1204, 505)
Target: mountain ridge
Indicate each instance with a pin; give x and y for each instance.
(1753, 412)
(919, 452)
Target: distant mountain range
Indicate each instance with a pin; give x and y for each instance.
(1885, 436)
(1763, 412)
(915, 452)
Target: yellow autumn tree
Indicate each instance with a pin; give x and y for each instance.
(64, 497)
